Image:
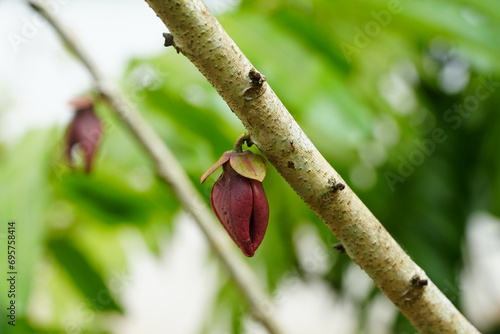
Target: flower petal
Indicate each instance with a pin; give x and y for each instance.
(260, 214)
(249, 165)
(224, 157)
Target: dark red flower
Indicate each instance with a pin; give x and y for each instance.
(85, 130)
(238, 198)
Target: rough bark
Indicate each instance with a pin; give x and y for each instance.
(199, 36)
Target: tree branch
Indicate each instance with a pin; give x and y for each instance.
(169, 169)
(199, 36)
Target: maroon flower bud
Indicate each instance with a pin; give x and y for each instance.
(85, 130)
(238, 198)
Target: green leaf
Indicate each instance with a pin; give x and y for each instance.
(83, 275)
(24, 199)
(106, 199)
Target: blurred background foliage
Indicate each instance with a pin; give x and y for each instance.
(368, 81)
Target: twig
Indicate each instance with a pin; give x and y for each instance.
(171, 172)
(200, 37)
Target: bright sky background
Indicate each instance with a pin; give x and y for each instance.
(38, 76)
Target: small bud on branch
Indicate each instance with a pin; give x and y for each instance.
(85, 130)
(238, 198)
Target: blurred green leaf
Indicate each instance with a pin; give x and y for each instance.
(83, 275)
(23, 200)
(108, 200)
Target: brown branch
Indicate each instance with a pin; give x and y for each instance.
(199, 36)
(171, 172)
